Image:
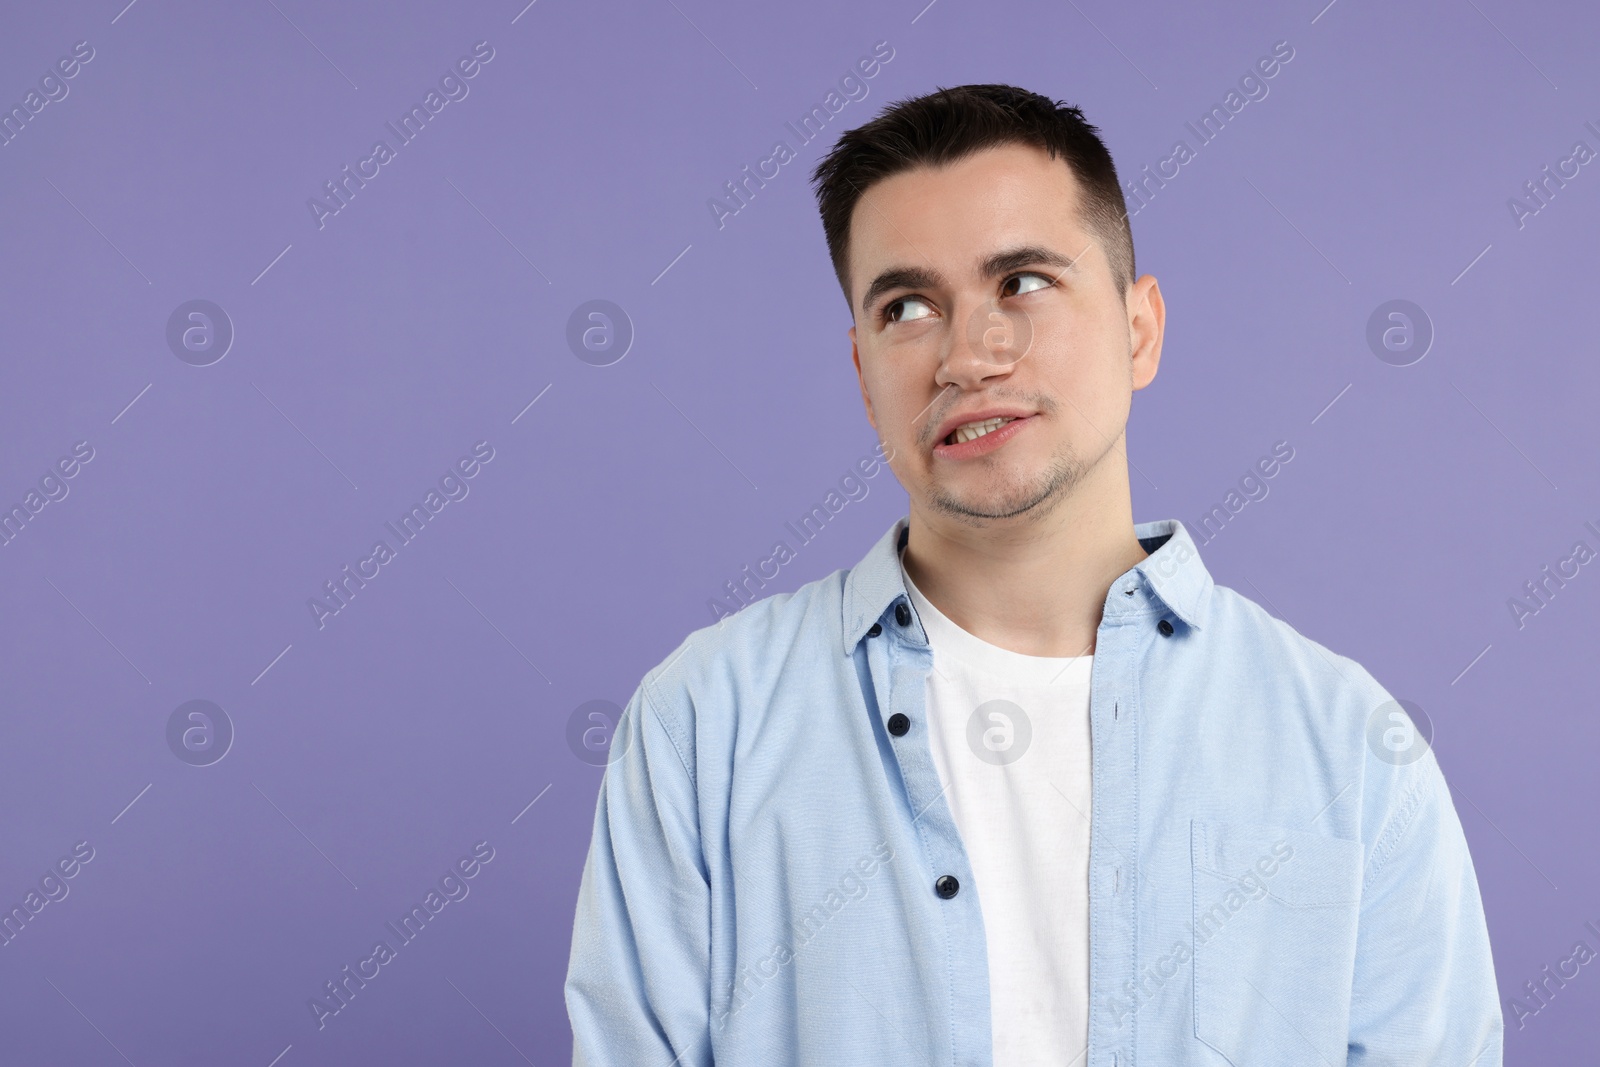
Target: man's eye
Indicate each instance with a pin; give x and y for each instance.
(1017, 283)
(905, 309)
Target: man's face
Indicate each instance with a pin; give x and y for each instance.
(987, 295)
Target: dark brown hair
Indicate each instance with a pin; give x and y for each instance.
(950, 124)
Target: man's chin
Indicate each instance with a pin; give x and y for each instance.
(981, 509)
(1002, 497)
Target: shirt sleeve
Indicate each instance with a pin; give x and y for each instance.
(638, 980)
(1425, 988)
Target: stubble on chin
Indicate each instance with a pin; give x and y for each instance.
(1035, 497)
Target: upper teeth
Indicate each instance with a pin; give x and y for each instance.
(974, 430)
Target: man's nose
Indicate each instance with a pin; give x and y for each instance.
(988, 341)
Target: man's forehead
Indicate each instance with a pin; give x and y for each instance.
(994, 177)
(962, 213)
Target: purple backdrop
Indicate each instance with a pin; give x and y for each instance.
(241, 346)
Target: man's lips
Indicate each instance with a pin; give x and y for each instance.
(979, 446)
(951, 424)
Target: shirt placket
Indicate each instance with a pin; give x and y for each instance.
(900, 666)
(1114, 830)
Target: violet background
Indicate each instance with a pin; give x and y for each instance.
(428, 314)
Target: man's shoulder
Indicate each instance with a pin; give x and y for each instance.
(744, 648)
(1260, 641)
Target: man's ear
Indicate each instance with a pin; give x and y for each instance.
(855, 357)
(1147, 324)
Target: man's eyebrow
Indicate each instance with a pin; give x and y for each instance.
(1001, 263)
(900, 278)
(1013, 259)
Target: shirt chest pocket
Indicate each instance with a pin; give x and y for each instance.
(1275, 918)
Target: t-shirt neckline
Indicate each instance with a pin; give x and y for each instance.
(1014, 668)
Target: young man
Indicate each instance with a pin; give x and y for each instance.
(1024, 786)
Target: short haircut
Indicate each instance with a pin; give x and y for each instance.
(950, 124)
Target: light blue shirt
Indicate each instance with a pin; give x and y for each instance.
(1277, 873)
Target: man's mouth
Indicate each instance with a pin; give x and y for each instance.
(971, 431)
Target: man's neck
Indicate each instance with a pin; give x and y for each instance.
(1036, 587)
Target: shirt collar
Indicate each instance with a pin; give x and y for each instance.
(1173, 572)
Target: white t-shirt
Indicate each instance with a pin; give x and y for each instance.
(1010, 739)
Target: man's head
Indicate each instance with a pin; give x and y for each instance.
(949, 124)
(980, 237)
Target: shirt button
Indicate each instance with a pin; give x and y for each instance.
(902, 614)
(947, 886)
(1165, 627)
(899, 724)
(875, 631)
